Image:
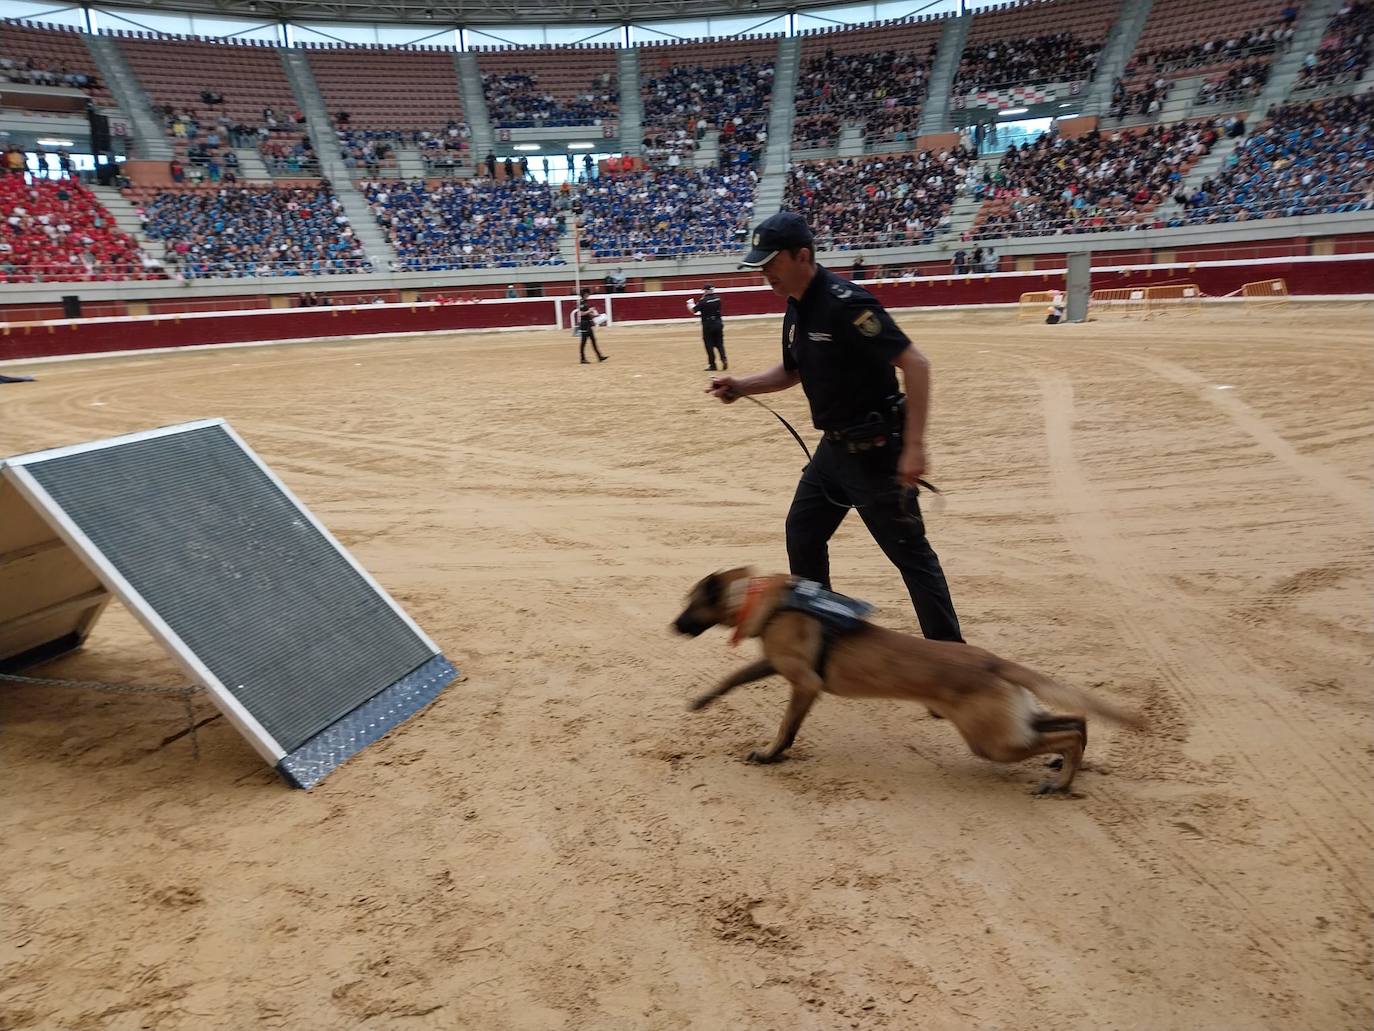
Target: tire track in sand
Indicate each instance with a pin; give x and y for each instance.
(1314, 470)
(1168, 631)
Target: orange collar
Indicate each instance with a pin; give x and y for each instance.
(751, 598)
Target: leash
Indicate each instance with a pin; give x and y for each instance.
(909, 494)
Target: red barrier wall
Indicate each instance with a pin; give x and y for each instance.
(1305, 276)
(92, 336)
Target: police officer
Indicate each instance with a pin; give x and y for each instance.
(586, 326)
(712, 326)
(844, 349)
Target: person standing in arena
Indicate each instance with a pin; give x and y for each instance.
(586, 327)
(844, 349)
(712, 326)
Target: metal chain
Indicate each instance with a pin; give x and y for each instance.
(184, 693)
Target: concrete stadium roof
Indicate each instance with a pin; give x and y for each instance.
(478, 12)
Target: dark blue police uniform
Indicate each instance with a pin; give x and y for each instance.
(842, 342)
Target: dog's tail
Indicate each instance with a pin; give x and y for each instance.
(1062, 696)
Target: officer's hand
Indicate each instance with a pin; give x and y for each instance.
(726, 388)
(911, 466)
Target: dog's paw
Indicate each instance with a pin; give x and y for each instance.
(1050, 787)
(763, 758)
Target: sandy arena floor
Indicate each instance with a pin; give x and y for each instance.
(1175, 514)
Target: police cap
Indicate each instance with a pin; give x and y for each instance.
(776, 233)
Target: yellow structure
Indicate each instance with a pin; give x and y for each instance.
(1122, 302)
(1173, 299)
(1265, 294)
(1034, 303)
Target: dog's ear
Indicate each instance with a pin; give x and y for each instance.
(713, 589)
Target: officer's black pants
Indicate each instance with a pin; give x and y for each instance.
(867, 480)
(587, 334)
(714, 339)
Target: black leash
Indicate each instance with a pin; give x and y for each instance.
(909, 494)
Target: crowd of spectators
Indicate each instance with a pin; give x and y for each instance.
(1143, 98)
(206, 140)
(811, 132)
(684, 102)
(370, 150)
(515, 101)
(27, 70)
(884, 200)
(1055, 184)
(884, 90)
(1344, 51)
(468, 224)
(55, 229)
(669, 212)
(1052, 57)
(1302, 160)
(236, 232)
(1237, 83)
(1259, 41)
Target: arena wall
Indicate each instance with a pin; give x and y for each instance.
(1338, 276)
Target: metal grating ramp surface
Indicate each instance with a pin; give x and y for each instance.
(252, 588)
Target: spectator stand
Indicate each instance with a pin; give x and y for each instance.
(237, 232)
(49, 55)
(1304, 159)
(387, 104)
(666, 213)
(1030, 47)
(1342, 57)
(699, 91)
(550, 87)
(888, 200)
(217, 95)
(56, 229)
(1096, 182)
(468, 224)
(1193, 57)
(874, 78)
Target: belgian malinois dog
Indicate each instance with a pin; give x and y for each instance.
(994, 703)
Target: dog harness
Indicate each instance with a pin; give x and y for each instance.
(838, 614)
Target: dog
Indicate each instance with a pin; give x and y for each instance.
(994, 703)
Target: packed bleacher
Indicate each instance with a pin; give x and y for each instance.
(55, 229)
(1343, 54)
(1034, 43)
(667, 213)
(468, 224)
(1304, 159)
(550, 86)
(49, 56)
(1092, 182)
(885, 200)
(1052, 57)
(689, 90)
(239, 231)
(876, 76)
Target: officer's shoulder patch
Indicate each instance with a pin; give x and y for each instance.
(842, 290)
(867, 323)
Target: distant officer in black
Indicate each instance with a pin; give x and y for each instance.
(586, 326)
(712, 326)
(844, 349)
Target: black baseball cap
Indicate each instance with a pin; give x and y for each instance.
(777, 233)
